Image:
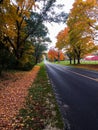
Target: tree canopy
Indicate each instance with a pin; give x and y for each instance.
(79, 35)
(21, 27)
(55, 55)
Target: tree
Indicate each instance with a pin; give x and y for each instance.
(4, 57)
(78, 37)
(13, 32)
(60, 55)
(80, 31)
(94, 15)
(19, 21)
(62, 38)
(52, 54)
(39, 50)
(39, 38)
(1, 1)
(55, 55)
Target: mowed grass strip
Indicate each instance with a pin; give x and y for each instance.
(40, 111)
(90, 65)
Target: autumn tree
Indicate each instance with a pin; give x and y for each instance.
(94, 15)
(4, 50)
(62, 38)
(64, 43)
(13, 32)
(55, 55)
(78, 38)
(60, 55)
(52, 54)
(80, 30)
(21, 20)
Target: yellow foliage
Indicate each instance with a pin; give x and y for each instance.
(12, 18)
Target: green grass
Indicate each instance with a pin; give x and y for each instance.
(89, 62)
(41, 108)
(66, 62)
(89, 65)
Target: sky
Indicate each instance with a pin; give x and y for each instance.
(54, 28)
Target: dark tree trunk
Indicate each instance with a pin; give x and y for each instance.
(70, 60)
(79, 57)
(58, 57)
(1, 1)
(0, 70)
(78, 60)
(74, 60)
(36, 60)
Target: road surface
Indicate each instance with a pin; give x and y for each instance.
(77, 93)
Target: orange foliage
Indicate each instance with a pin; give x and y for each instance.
(52, 54)
(62, 56)
(13, 90)
(62, 34)
(55, 55)
(93, 1)
(62, 38)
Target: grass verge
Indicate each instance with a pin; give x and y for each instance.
(87, 66)
(90, 65)
(40, 111)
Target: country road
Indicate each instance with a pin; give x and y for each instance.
(76, 91)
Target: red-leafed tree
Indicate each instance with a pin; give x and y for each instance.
(55, 55)
(52, 54)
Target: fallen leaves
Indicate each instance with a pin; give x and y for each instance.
(27, 106)
(13, 90)
(40, 110)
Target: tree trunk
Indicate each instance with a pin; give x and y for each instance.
(70, 61)
(1, 1)
(78, 57)
(1, 68)
(0, 71)
(58, 57)
(36, 60)
(78, 60)
(74, 60)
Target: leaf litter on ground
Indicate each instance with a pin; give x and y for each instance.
(28, 105)
(13, 90)
(40, 111)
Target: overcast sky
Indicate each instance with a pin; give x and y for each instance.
(54, 28)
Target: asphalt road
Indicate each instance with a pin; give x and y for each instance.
(76, 91)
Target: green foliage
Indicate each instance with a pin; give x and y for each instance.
(26, 66)
(3, 58)
(39, 50)
(7, 59)
(27, 60)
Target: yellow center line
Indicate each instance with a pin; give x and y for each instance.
(84, 75)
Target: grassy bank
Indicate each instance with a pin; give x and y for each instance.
(40, 111)
(90, 65)
(67, 62)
